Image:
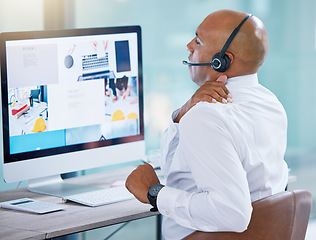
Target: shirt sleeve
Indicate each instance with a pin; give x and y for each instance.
(222, 201)
(169, 143)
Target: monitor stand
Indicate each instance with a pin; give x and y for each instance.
(55, 186)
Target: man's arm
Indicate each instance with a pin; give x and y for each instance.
(221, 200)
(211, 92)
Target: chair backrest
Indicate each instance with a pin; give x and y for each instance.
(283, 216)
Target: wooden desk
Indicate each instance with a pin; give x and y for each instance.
(76, 218)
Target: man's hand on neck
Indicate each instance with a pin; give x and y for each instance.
(210, 91)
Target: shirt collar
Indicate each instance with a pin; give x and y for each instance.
(243, 81)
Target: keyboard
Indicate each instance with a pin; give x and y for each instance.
(101, 197)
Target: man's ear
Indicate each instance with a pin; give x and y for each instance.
(231, 56)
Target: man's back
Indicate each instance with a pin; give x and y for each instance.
(228, 155)
(258, 123)
(263, 129)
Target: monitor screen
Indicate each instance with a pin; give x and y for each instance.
(70, 96)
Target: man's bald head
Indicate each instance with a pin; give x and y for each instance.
(249, 48)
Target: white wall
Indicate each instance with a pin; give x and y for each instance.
(19, 15)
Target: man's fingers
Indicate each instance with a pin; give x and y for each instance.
(216, 90)
(212, 98)
(207, 98)
(218, 97)
(223, 79)
(221, 87)
(225, 94)
(221, 92)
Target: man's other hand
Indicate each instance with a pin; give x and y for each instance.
(210, 91)
(140, 180)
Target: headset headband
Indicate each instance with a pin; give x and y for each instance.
(232, 35)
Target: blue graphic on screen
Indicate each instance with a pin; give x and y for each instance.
(39, 141)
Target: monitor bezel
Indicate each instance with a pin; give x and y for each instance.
(10, 36)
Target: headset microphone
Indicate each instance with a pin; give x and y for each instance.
(220, 61)
(196, 64)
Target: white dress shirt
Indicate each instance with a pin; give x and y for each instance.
(222, 157)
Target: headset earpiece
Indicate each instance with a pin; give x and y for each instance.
(219, 63)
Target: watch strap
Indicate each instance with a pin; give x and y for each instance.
(153, 202)
(153, 198)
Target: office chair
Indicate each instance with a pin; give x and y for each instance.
(283, 216)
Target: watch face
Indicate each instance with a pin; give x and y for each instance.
(154, 190)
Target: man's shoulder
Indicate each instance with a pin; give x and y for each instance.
(204, 112)
(214, 109)
(204, 119)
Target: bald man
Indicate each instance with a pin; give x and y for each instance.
(218, 158)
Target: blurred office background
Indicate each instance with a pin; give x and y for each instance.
(167, 26)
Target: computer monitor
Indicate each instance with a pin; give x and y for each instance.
(61, 108)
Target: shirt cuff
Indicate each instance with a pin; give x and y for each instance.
(174, 203)
(166, 200)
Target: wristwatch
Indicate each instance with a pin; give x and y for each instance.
(152, 195)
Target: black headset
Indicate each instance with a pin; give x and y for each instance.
(220, 61)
